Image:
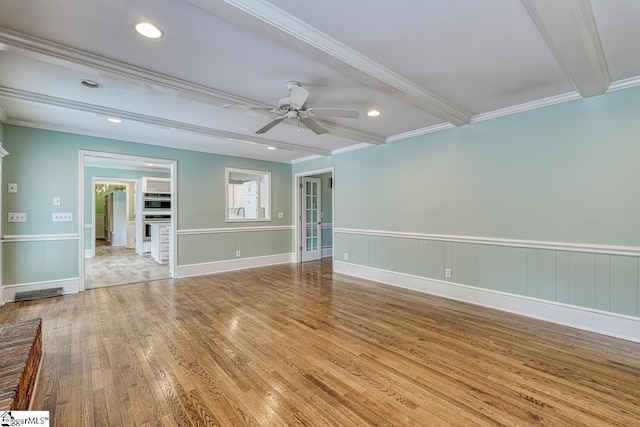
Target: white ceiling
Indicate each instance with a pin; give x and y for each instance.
(426, 64)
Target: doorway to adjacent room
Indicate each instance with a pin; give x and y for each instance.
(111, 226)
(314, 215)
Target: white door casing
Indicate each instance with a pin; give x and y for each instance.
(311, 239)
(3, 153)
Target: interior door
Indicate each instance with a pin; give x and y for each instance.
(311, 221)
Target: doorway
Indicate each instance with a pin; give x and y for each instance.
(314, 215)
(110, 186)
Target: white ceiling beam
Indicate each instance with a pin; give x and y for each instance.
(569, 29)
(269, 21)
(156, 121)
(66, 56)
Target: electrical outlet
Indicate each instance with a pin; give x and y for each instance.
(447, 272)
(62, 217)
(237, 254)
(280, 215)
(56, 201)
(346, 256)
(16, 217)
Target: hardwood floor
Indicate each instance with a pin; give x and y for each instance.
(297, 345)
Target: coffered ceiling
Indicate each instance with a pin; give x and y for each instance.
(426, 65)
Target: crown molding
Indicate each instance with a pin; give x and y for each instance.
(277, 24)
(304, 159)
(350, 148)
(419, 132)
(545, 102)
(624, 84)
(493, 114)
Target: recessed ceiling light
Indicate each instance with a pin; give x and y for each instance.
(271, 148)
(114, 120)
(90, 84)
(373, 113)
(149, 30)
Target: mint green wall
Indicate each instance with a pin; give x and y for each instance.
(564, 173)
(45, 164)
(201, 190)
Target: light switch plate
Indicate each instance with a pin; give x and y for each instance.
(16, 217)
(56, 201)
(62, 217)
(12, 187)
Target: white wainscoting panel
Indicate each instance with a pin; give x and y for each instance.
(233, 264)
(616, 325)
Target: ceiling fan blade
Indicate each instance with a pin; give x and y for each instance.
(271, 124)
(313, 125)
(298, 96)
(332, 112)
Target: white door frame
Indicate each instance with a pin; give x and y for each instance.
(173, 173)
(3, 153)
(298, 205)
(306, 226)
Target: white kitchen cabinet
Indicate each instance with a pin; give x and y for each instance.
(160, 242)
(156, 185)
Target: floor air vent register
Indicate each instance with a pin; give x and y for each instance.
(38, 294)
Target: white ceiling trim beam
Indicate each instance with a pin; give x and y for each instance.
(164, 123)
(66, 56)
(270, 21)
(569, 29)
(69, 57)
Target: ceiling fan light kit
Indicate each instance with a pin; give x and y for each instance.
(294, 107)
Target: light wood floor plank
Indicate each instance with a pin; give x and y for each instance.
(298, 345)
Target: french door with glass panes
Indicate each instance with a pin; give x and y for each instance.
(311, 241)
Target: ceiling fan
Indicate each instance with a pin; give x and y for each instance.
(294, 107)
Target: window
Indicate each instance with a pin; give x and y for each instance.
(248, 195)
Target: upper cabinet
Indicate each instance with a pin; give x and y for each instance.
(156, 185)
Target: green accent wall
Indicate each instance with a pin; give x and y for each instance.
(45, 164)
(564, 173)
(213, 247)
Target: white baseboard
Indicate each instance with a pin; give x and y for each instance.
(327, 252)
(232, 264)
(602, 322)
(89, 253)
(69, 286)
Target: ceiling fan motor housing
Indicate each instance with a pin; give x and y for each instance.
(285, 104)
